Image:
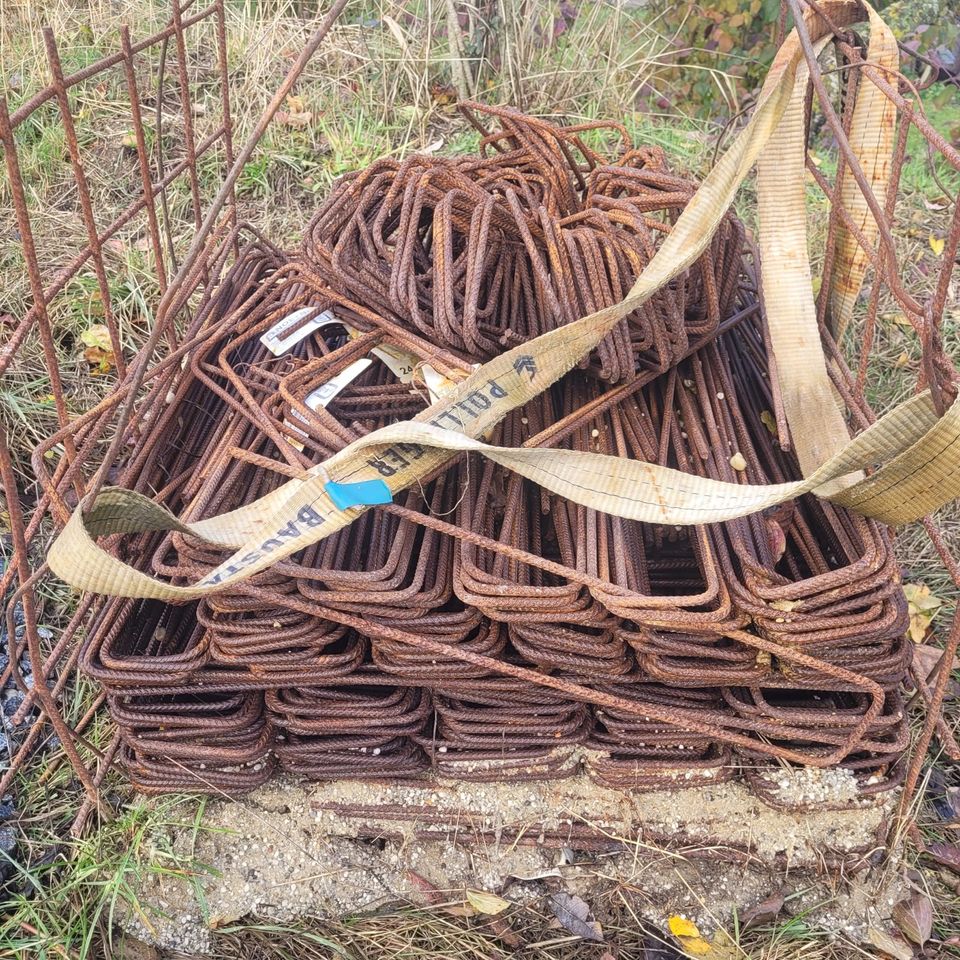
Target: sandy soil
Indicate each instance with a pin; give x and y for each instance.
(293, 849)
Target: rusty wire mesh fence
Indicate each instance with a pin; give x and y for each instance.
(707, 651)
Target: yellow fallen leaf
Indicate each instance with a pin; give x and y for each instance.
(97, 336)
(923, 608)
(99, 350)
(488, 903)
(898, 318)
(295, 113)
(901, 361)
(682, 927)
(936, 244)
(443, 94)
(768, 420)
(695, 946)
(101, 360)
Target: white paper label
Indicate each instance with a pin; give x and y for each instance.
(327, 391)
(323, 394)
(276, 341)
(401, 362)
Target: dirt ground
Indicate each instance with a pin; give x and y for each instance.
(707, 853)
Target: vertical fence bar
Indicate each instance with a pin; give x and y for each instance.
(36, 288)
(83, 190)
(227, 116)
(187, 107)
(143, 163)
(25, 594)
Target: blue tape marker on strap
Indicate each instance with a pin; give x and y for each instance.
(366, 493)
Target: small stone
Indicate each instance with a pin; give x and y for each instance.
(8, 840)
(738, 462)
(12, 703)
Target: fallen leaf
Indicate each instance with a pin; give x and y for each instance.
(914, 917)
(432, 893)
(501, 929)
(924, 607)
(769, 421)
(488, 903)
(682, 927)
(935, 204)
(899, 319)
(99, 351)
(687, 932)
(946, 854)
(461, 911)
(129, 141)
(115, 246)
(766, 911)
(925, 660)
(574, 914)
(443, 94)
(695, 946)
(97, 336)
(100, 360)
(294, 114)
(892, 946)
(901, 361)
(936, 244)
(926, 657)
(295, 120)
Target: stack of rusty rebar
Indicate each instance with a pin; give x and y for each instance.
(778, 635)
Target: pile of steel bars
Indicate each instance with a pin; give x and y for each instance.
(778, 635)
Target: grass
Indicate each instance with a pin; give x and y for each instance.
(383, 84)
(70, 901)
